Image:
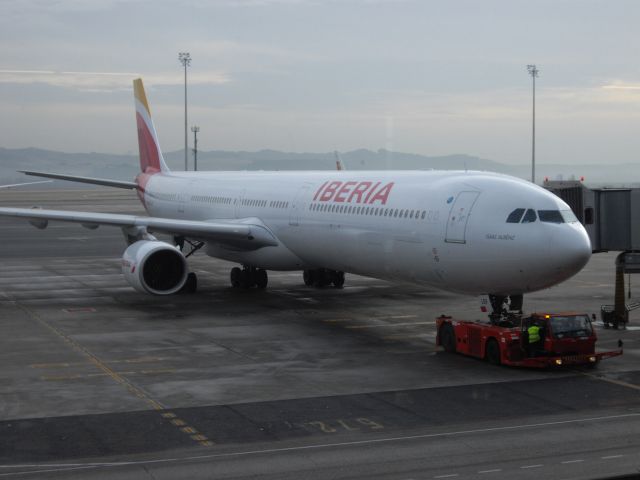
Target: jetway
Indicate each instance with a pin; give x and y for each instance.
(611, 217)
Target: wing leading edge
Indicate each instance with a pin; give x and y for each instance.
(246, 234)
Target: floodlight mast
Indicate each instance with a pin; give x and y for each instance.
(533, 71)
(185, 60)
(195, 129)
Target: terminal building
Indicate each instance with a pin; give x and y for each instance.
(608, 216)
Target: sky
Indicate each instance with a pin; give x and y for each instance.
(427, 77)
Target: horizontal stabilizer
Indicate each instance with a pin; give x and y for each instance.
(94, 181)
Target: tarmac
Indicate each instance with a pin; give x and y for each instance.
(100, 381)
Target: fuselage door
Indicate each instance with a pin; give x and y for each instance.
(298, 205)
(459, 216)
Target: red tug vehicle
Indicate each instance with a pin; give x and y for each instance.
(559, 339)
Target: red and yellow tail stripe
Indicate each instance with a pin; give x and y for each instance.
(151, 160)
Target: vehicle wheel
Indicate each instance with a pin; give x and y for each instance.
(448, 338)
(492, 352)
(235, 277)
(261, 278)
(337, 278)
(309, 277)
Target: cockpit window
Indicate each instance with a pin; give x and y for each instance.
(569, 216)
(551, 216)
(530, 216)
(515, 216)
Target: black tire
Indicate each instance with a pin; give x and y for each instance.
(246, 279)
(492, 352)
(261, 278)
(321, 279)
(192, 283)
(337, 278)
(309, 277)
(448, 338)
(235, 277)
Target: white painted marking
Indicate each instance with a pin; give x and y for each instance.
(493, 470)
(447, 476)
(63, 466)
(537, 465)
(572, 461)
(609, 457)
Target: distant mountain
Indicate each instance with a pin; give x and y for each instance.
(125, 167)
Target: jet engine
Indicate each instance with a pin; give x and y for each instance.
(155, 267)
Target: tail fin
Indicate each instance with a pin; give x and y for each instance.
(151, 160)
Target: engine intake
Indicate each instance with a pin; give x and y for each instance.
(155, 267)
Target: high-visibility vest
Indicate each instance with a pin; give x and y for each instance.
(534, 333)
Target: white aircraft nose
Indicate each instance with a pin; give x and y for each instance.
(570, 249)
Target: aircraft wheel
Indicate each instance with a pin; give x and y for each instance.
(261, 278)
(235, 277)
(448, 338)
(337, 278)
(492, 353)
(191, 285)
(246, 279)
(309, 277)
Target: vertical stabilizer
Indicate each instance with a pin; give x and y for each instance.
(151, 160)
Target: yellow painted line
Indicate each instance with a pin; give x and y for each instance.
(117, 377)
(207, 443)
(189, 430)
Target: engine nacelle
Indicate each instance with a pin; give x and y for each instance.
(155, 267)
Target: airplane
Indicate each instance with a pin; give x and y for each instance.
(468, 232)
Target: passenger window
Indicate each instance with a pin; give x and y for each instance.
(550, 216)
(515, 216)
(530, 216)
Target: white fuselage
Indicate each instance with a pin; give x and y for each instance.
(444, 229)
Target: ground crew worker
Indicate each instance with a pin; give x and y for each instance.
(535, 339)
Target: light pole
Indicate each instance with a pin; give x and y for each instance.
(533, 71)
(195, 129)
(185, 60)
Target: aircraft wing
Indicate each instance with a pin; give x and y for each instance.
(91, 180)
(247, 234)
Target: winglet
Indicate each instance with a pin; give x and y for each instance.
(151, 160)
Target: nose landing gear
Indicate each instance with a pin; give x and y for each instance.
(505, 307)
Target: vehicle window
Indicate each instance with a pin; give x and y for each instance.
(550, 216)
(571, 326)
(515, 216)
(529, 217)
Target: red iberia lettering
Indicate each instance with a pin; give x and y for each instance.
(359, 191)
(329, 191)
(343, 191)
(383, 194)
(353, 192)
(319, 190)
(366, 200)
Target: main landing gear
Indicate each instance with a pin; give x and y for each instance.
(323, 277)
(248, 277)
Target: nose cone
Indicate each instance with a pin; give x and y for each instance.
(570, 249)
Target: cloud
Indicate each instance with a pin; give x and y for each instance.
(106, 81)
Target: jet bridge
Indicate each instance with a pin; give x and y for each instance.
(611, 217)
